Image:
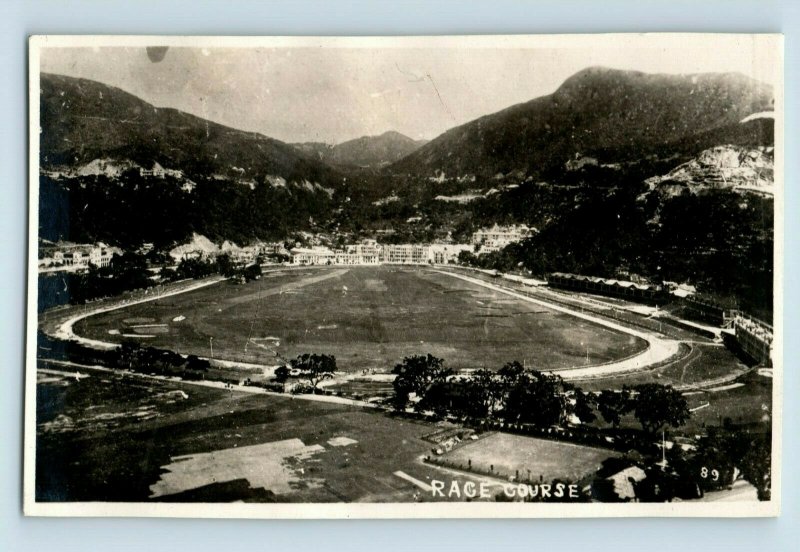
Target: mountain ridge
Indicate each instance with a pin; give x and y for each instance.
(82, 120)
(596, 109)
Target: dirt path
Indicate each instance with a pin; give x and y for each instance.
(288, 287)
(212, 384)
(658, 350)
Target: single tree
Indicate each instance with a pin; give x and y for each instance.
(439, 399)
(225, 265)
(128, 355)
(282, 374)
(253, 272)
(196, 367)
(417, 374)
(583, 407)
(402, 393)
(756, 466)
(511, 373)
(657, 406)
(488, 390)
(537, 398)
(315, 368)
(613, 405)
(421, 371)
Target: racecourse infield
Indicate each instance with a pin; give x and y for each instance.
(369, 318)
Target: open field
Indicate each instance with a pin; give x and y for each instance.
(368, 317)
(748, 404)
(514, 455)
(132, 439)
(113, 437)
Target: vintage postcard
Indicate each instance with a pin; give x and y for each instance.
(475, 276)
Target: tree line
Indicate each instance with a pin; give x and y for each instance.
(515, 394)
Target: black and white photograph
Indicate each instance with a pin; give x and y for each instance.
(396, 277)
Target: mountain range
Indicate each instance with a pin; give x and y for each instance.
(607, 114)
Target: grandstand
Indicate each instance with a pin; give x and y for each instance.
(754, 337)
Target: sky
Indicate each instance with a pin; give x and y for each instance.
(333, 93)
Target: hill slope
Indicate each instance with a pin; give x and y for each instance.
(611, 113)
(84, 120)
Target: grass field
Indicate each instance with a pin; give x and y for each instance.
(107, 438)
(368, 317)
(514, 455)
(750, 403)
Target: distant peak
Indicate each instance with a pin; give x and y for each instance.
(393, 134)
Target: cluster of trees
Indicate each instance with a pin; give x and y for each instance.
(518, 395)
(125, 272)
(128, 272)
(99, 208)
(197, 268)
(193, 268)
(654, 405)
(228, 268)
(160, 361)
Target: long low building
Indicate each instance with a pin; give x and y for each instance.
(606, 286)
(312, 255)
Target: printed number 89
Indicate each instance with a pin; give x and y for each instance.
(704, 473)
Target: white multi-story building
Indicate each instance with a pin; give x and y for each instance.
(368, 251)
(71, 256)
(99, 257)
(446, 253)
(405, 254)
(497, 237)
